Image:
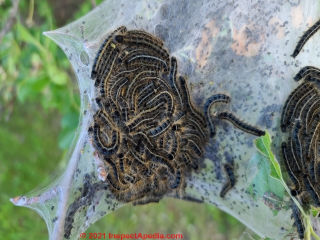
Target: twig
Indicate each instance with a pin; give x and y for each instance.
(11, 19)
(30, 16)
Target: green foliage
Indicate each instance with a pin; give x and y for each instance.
(263, 144)
(36, 70)
(268, 178)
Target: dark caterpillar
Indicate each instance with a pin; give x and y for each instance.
(147, 128)
(301, 119)
(231, 179)
(296, 215)
(305, 37)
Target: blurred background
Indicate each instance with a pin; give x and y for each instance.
(39, 109)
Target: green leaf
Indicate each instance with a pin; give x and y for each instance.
(314, 211)
(23, 91)
(57, 76)
(263, 144)
(268, 180)
(263, 183)
(26, 36)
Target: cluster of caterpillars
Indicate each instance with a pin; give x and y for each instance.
(147, 129)
(301, 119)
